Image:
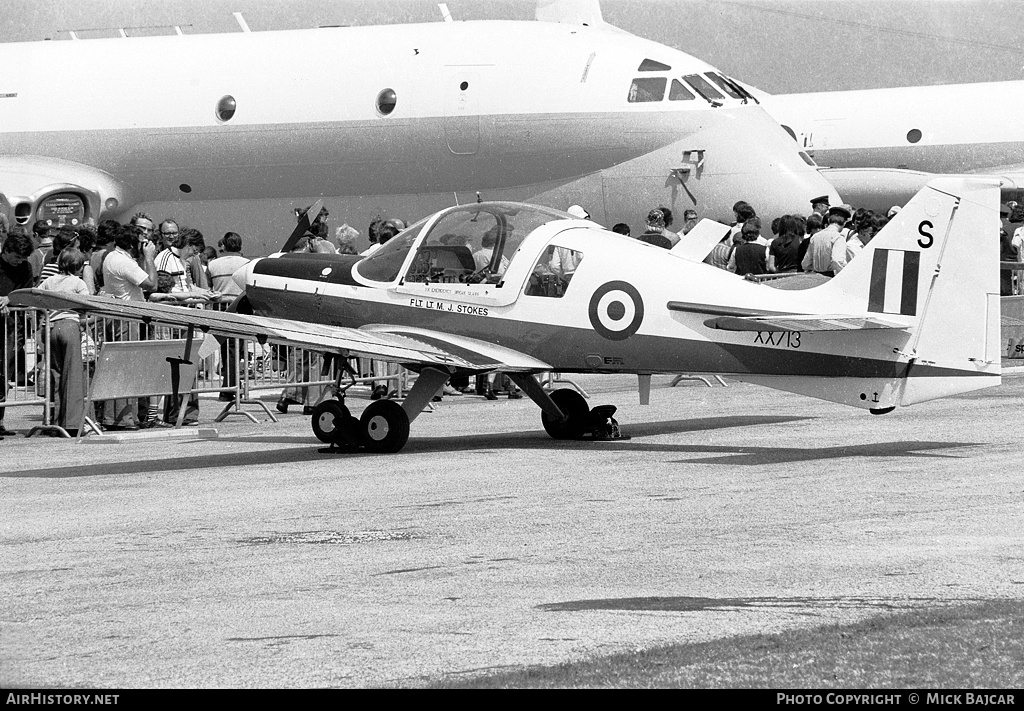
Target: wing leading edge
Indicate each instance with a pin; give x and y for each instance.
(378, 343)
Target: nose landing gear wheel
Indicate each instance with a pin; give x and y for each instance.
(384, 427)
(576, 410)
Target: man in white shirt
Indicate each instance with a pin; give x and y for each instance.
(827, 249)
(230, 261)
(125, 275)
(127, 270)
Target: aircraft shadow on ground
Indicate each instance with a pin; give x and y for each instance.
(799, 605)
(730, 454)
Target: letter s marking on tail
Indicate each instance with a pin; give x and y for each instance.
(921, 231)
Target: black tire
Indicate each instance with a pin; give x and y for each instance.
(576, 410)
(384, 427)
(327, 419)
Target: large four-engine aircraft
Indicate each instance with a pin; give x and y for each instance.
(527, 289)
(233, 131)
(878, 147)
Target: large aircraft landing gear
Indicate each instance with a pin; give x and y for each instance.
(384, 427)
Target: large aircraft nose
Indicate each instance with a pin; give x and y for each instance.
(722, 156)
(756, 160)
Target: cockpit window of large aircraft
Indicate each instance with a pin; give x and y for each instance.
(647, 89)
(724, 84)
(474, 245)
(649, 65)
(703, 87)
(678, 92)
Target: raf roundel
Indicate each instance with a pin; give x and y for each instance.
(616, 310)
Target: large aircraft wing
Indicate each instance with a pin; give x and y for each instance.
(394, 344)
(741, 320)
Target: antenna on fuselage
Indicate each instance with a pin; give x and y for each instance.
(241, 22)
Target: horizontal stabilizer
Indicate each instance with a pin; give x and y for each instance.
(805, 323)
(696, 244)
(740, 319)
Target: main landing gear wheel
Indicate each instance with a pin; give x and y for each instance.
(331, 421)
(576, 410)
(384, 427)
(326, 419)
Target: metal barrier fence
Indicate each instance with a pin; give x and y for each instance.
(25, 367)
(1011, 277)
(238, 369)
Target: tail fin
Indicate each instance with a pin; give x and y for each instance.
(306, 218)
(573, 12)
(936, 265)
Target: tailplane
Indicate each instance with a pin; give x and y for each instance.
(936, 265)
(913, 317)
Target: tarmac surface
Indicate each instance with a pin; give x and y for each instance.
(256, 560)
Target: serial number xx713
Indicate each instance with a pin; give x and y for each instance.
(784, 339)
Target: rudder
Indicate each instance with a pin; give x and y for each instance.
(937, 265)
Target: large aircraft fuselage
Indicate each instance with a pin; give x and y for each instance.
(527, 111)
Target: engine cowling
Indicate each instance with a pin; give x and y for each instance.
(58, 191)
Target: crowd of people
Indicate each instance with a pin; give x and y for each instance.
(824, 241)
(136, 261)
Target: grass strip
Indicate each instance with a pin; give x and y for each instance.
(969, 646)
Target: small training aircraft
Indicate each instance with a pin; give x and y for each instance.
(526, 290)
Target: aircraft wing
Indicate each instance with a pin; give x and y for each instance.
(380, 344)
(728, 319)
(483, 354)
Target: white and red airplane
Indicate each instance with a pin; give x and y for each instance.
(233, 131)
(526, 289)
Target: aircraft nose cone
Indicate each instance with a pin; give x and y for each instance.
(755, 160)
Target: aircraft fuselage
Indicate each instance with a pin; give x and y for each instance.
(232, 131)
